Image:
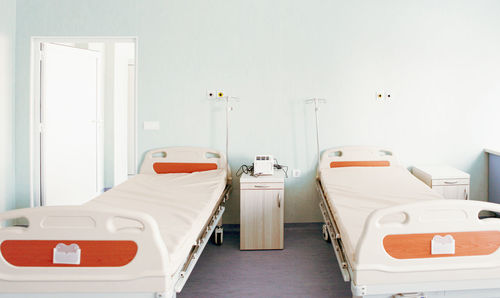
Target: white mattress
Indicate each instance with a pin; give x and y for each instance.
(180, 203)
(354, 192)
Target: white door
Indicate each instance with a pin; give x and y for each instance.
(69, 125)
(131, 163)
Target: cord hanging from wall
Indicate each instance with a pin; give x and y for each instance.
(317, 102)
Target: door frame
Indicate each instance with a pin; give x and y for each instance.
(35, 93)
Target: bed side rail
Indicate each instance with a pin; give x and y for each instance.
(82, 225)
(334, 233)
(400, 238)
(203, 238)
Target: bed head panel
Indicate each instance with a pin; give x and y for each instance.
(171, 160)
(357, 157)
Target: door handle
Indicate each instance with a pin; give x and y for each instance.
(466, 195)
(262, 186)
(451, 182)
(279, 200)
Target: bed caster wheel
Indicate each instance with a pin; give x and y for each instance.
(324, 231)
(219, 235)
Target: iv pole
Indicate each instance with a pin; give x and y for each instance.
(316, 102)
(218, 229)
(228, 110)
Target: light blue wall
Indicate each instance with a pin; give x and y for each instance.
(438, 58)
(7, 53)
(494, 178)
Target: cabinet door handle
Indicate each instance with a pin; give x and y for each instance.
(262, 186)
(466, 194)
(451, 182)
(279, 200)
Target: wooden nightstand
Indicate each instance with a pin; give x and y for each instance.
(262, 204)
(448, 181)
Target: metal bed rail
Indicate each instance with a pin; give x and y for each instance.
(181, 276)
(334, 234)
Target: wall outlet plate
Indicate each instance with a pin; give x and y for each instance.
(151, 125)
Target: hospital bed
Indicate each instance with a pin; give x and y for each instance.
(386, 228)
(143, 236)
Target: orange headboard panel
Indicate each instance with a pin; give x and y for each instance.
(368, 163)
(182, 167)
(416, 246)
(39, 253)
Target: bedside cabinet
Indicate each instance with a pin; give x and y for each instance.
(262, 204)
(450, 182)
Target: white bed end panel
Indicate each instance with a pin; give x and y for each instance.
(434, 217)
(357, 153)
(183, 155)
(145, 273)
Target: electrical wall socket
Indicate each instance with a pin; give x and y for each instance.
(215, 94)
(383, 95)
(151, 125)
(296, 173)
(211, 94)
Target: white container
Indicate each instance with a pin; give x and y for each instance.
(443, 245)
(67, 254)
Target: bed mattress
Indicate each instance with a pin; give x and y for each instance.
(354, 192)
(180, 203)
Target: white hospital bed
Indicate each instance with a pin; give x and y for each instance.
(381, 221)
(143, 236)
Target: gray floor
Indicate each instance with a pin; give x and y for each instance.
(305, 268)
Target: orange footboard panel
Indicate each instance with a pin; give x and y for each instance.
(39, 253)
(415, 246)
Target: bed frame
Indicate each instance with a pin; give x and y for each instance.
(398, 253)
(142, 270)
(346, 155)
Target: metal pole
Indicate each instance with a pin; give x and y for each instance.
(227, 130)
(316, 108)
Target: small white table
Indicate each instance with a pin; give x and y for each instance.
(448, 181)
(262, 204)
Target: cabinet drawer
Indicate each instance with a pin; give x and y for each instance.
(455, 192)
(262, 186)
(449, 182)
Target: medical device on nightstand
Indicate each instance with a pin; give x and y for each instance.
(263, 165)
